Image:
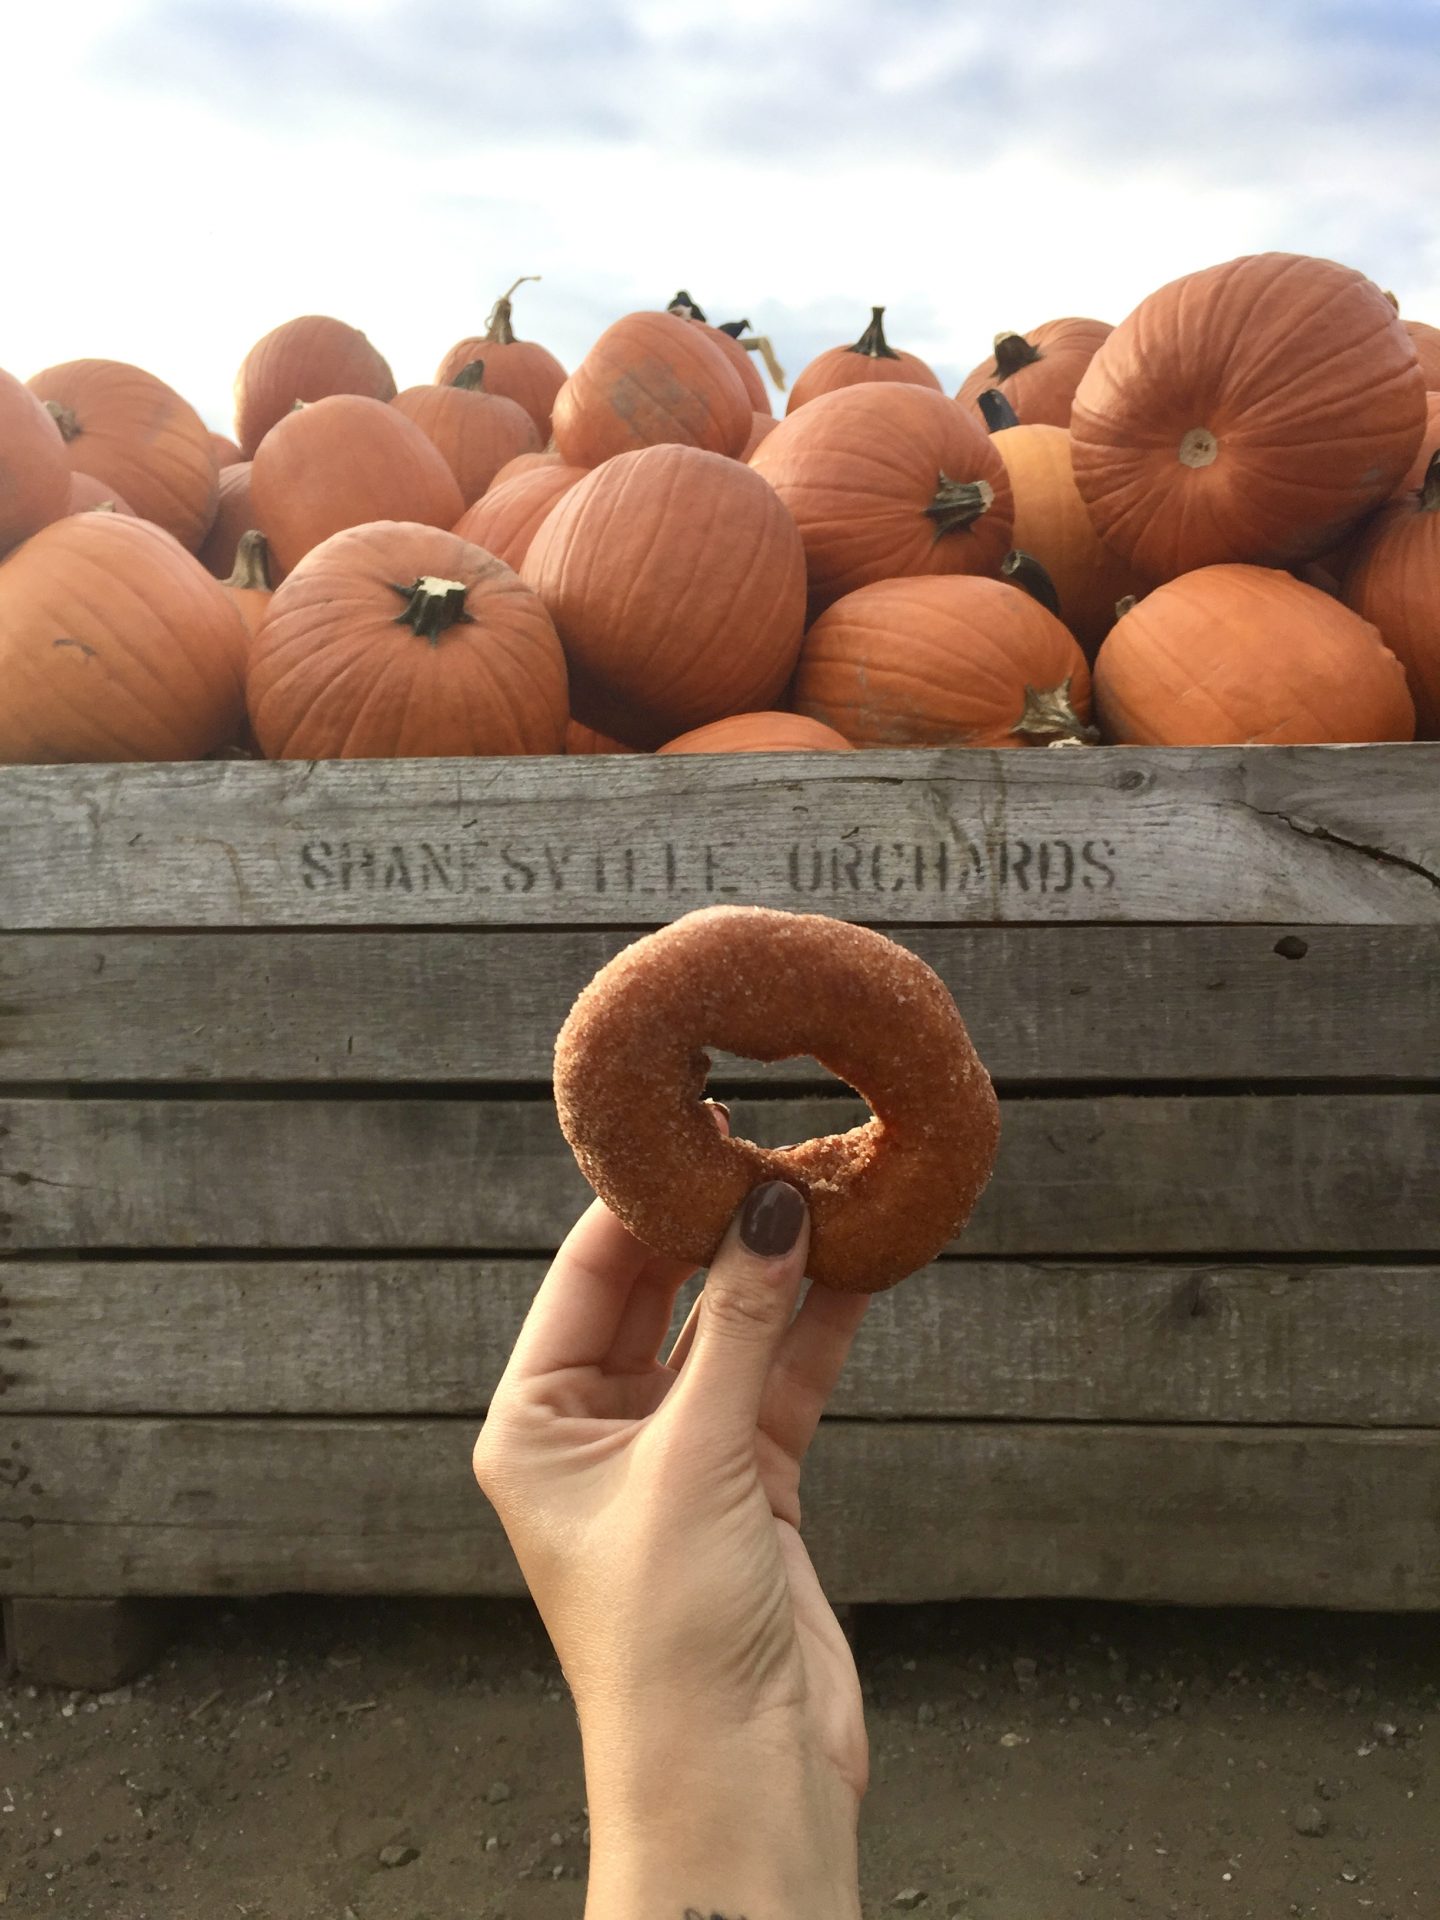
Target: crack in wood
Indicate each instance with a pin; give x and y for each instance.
(1313, 830)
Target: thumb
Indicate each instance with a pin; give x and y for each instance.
(747, 1303)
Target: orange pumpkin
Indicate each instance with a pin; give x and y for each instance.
(227, 451)
(1427, 347)
(871, 359)
(34, 466)
(233, 516)
(652, 379)
(1235, 655)
(1394, 582)
(249, 582)
(1039, 371)
(88, 495)
(1252, 412)
(131, 432)
(885, 480)
(529, 463)
(759, 733)
(305, 359)
(507, 519)
(520, 370)
(1429, 446)
(943, 662)
(340, 463)
(583, 739)
(765, 425)
(676, 580)
(476, 431)
(400, 639)
(115, 644)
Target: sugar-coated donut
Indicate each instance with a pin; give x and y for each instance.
(630, 1070)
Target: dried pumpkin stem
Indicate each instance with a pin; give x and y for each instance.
(498, 331)
(65, 420)
(252, 562)
(996, 411)
(1023, 570)
(959, 503)
(1430, 486)
(471, 377)
(432, 605)
(1199, 448)
(872, 342)
(1012, 352)
(1049, 715)
(1125, 603)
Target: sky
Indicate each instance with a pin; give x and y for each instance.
(183, 177)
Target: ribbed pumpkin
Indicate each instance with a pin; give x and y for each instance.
(888, 480)
(249, 582)
(130, 431)
(397, 639)
(1039, 371)
(765, 425)
(676, 580)
(1232, 655)
(1394, 582)
(528, 463)
(651, 379)
(1427, 347)
(943, 662)
(759, 733)
(233, 516)
(115, 644)
(88, 495)
(340, 463)
(1429, 446)
(521, 370)
(305, 359)
(227, 451)
(1051, 523)
(739, 359)
(34, 466)
(1252, 412)
(477, 431)
(582, 739)
(507, 519)
(870, 360)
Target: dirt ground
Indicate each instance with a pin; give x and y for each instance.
(374, 1760)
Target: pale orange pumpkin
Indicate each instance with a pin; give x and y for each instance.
(34, 466)
(676, 580)
(520, 370)
(131, 432)
(1427, 348)
(943, 662)
(306, 359)
(115, 644)
(765, 425)
(1039, 371)
(227, 451)
(397, 639)
(234, 515)
(651, 379)
(1235, 655)
(870, 360)
(477, 431)
(88, 495)
(529, 463)
(341, 463)
(1393, 581)
(507, 518)
(759, 733)
(1429, 446)
(582, 739)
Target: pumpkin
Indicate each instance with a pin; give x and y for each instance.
(1051, 523)
(529, 463)
(339, 463)
(134, 434)
(507, 519)
(651, 379)
(1233, 655)
(400, 639)
(233, 516)
(1429, 446)
(1393, 581)
(1252, 412)
(582, 739)
(34, 466)
(88, 495)
(759, 733)
(227, 451)
(765, 424)
(676, 580)
(115, 644)
(885, 480)
(305, 359)
(966, 662)
(731, 348)
(870, 359)
(1039, 371)
(249, 582)
(476, 431)
(1427, 348)
(518, 370)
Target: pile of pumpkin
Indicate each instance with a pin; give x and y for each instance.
(1216, 522)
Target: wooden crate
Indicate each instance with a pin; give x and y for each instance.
(279, 1171)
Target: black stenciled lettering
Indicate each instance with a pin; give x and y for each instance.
(315, 870)
(555, 866)
(397, 872)
(518, 875)
(672, 867)
(800, 858)
(357, 866)
(970, 863)
(1057, 866)
(1015, 858)
(1097, 855)
(600, 880)
(433, 871)
(628, 865)
(713, 882)
(845, 864)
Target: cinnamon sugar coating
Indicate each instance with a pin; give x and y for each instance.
(631, 1062)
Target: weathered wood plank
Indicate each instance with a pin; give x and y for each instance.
(893, 1511)
(1281, 1174)
(1311, 834)
(967, 1340)
(1043, 1003)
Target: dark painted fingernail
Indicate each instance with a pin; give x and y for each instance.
(771, 1219)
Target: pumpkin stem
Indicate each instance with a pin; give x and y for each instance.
(872, 342)
(1049, 715)
(432, 605)
(471, 377)
(996, 411)
(498, 331)
(1124, 604)
(958, 503)
(65, 420)
(1012, 352)
(1025, 571)
(1430, 486)
(252, 562)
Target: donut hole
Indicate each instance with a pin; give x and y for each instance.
(762, 1096)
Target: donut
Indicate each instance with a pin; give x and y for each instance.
(631, 1065)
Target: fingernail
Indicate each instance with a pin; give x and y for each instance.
(719, 1106)
(771, 1219)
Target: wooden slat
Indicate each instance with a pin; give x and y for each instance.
(1312, 834)
(1043, 1003)
(1282, 1174)
(978, 1340)
(1209, 1516)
